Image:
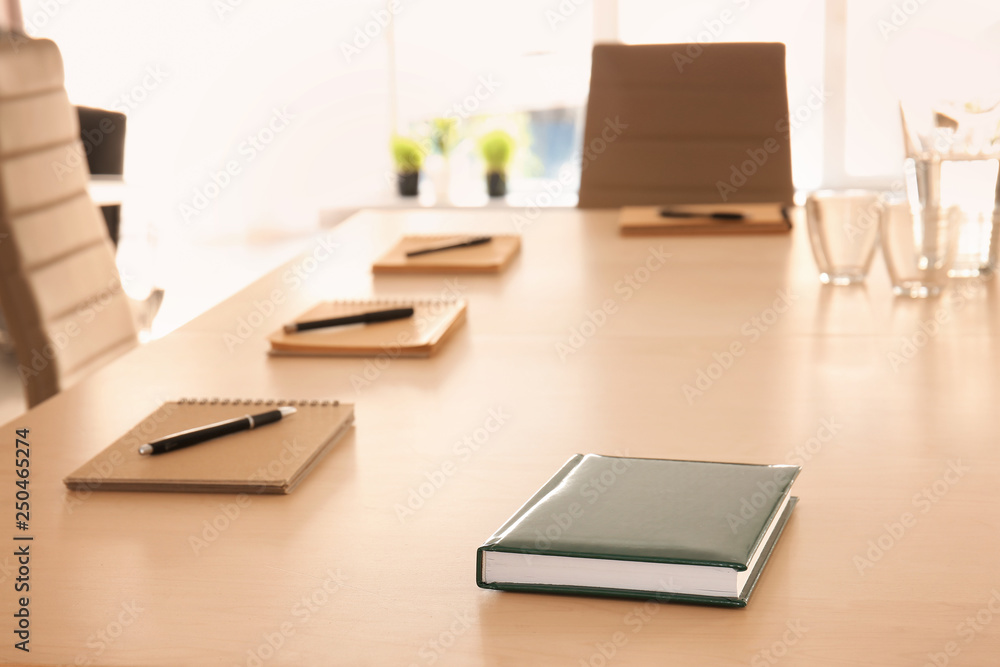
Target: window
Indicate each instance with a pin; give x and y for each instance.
(896, 51)
(522, 65)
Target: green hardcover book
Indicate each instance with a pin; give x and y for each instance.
(682, 531)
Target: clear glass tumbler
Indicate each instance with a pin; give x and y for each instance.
(843, 230)
(953, 169)
(919, 250)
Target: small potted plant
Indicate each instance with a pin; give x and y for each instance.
(497, 148)
(409, 158)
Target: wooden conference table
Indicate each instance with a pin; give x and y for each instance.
(728, 349)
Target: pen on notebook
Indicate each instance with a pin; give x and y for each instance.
(714, 215)
(475, 240)
(194, 436)
(363, 318)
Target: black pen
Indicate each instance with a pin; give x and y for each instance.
(193, 436)
(714, 215)
(363, 318)
(475, 240)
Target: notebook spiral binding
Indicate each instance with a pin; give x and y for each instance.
(259, 401)
(393, 301)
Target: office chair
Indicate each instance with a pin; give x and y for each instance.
(103, 134)
(686, 124)
(60, 290)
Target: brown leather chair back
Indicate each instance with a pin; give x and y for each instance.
(686, 124)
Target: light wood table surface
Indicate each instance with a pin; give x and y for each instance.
(889, 405)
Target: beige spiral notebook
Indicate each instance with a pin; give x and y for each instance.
(270, 459)
(433, 322)
(490, 257)
(758, 219)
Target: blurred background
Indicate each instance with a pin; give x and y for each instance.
(253, 123)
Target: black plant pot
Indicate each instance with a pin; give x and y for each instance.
(408, 183)
(496, 184)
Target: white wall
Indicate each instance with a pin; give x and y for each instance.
(198, 77)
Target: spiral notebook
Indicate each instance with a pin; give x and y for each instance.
(699, 219)
(490, 257)
(433, 322)
(271, 459)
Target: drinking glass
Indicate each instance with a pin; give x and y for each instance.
(953, 175)
(919, 250)
(843, 231)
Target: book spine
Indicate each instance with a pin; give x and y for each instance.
(772, 515)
